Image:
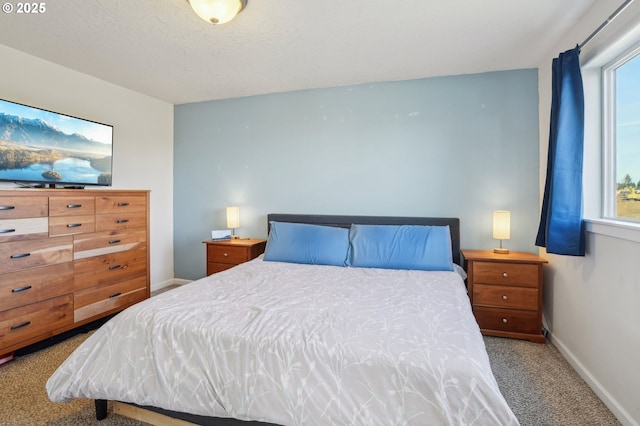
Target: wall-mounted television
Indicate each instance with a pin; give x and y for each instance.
(45, 148)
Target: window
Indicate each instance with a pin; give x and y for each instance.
(621, 94)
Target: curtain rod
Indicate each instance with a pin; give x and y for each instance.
(602, 26)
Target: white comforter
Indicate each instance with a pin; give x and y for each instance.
(297, 345)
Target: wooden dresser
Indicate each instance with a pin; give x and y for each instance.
(69, 257)
(223, 255)
(506, 293)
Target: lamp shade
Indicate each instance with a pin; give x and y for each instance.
(217, 11)
(501, 225)
(233, 217)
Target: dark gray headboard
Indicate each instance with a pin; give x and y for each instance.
(346, 221)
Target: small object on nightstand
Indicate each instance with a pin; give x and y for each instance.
(223, 255)
(221, 234)
(506, 293)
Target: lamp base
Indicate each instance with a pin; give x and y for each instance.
(501, 250)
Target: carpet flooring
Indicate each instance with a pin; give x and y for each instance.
(537, 382)
(542, 388)
(24, 400)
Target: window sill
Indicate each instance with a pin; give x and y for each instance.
(615, 229)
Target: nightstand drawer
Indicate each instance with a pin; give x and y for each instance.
(516, 274)
(507, 320)
(213, 268)
(226, 254)
(505, 297)
(223, 255)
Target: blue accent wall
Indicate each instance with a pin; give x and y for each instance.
(458, 146)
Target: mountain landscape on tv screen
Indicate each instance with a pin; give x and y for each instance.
(29, 145)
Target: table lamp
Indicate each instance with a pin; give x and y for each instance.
(501, 229)
(233, 220)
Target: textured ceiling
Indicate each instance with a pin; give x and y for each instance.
(162, 49)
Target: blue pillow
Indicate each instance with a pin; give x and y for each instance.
(304, 243)
(426, 248)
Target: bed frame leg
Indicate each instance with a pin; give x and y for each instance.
(101, 409)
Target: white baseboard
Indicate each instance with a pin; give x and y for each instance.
(623, 415)
(167, 283)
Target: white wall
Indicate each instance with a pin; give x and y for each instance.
(143, 135)
(591, 303)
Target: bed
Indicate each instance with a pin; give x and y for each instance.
(299, 337)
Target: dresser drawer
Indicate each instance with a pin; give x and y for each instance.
(507, 320)
(106, 242)
(96, 300)
(227, 254)
(109, 268)
(120, 204)
(20, 207)
(71, 206)
(18, 325)
(120, 221)
(70, 225)
(34, 285)
(23, 229)
(505, 297)
(32, 253)
(516, 274)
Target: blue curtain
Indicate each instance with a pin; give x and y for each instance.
(561, 228)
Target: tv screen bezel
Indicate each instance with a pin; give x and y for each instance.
(62, 183)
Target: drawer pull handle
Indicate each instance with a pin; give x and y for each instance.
(20, 289)
(114, 267)
(114, 241)
(20, 255)
(505, 275)
(504, 320)
(115, 295)
(17, 326)
(225, 254)
(122, 220)
(7, 231)
(123, 204)
(74, 206)
(7, 207)
(74, 225)
(505, 297)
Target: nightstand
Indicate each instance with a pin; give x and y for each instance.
(506, 293)
(223, 255)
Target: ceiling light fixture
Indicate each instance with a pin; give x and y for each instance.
(217, 11)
